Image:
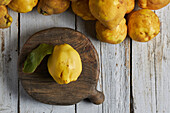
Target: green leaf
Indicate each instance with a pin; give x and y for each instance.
(36, 56)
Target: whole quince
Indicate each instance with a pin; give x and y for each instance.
(143, 25)
(153, 4)
(4, 2)
(130, 5)
(5, 18)
(108, 12)
(64, 64)
(81, 8)
(114, 36)
(49, 7)
(22, 6)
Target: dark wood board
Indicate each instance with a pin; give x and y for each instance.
(41, 86)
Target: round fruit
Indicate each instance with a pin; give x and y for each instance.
(143, 25)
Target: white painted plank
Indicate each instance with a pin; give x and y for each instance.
(8, 67)
(116, 77)
(143, 73)
(88, 28)
(163, 63)
(30, 23)
(150, 70)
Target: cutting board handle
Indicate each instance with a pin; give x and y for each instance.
(97, 97)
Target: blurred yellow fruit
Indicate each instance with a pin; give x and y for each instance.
(153, 4)
(81, 8)
(130, 5)
(4, 2)
(22, 6)
(5, 18)
(49, 7)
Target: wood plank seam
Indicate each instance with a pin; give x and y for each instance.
(155, 77)
(101, 72)
(76, 30)
(8, 70)
(18, 55)
(155, 71)
(131, 76)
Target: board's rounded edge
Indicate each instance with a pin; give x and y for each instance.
(19, 67)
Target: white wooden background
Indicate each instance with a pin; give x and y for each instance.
(135, 77)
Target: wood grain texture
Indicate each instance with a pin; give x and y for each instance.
(163, 63)
(8, 68)
(88, 28)
(116, 77)
(31, 23)
(150, 70)
(51, 92)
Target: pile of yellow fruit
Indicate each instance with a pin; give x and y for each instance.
(142, 25)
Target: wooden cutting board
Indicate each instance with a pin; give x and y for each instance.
(41, 86)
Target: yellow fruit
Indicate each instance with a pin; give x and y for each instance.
(4, 2)
(153, 4)
(114, 36)
(81, 8)
(5, 18)
(49, 7)
(22, 6)
(143, 25)
(130, 5)
(64, 64)
(108, 12)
